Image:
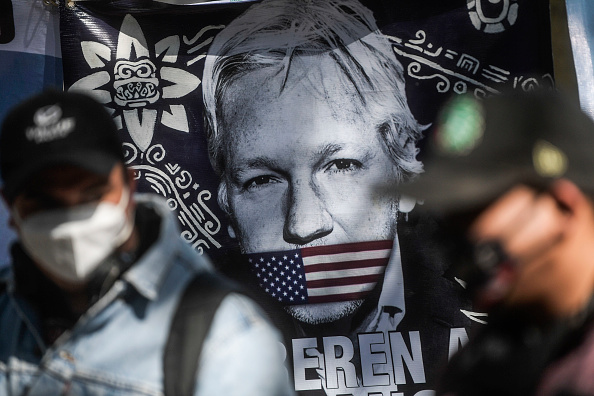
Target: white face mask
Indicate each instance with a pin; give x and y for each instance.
(70, 243)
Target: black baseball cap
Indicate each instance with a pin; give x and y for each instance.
(480, 148)
(56, 128)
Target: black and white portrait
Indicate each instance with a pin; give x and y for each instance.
(309, 128)
(307, 120)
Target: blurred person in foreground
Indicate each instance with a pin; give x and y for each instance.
(511, 179)
(97, 272)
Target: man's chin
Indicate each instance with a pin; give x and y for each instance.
(314, 314)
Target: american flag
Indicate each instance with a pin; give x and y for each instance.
(321, 274)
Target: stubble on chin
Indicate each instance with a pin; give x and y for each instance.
(315, 314)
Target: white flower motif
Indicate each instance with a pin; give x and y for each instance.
(131, 85)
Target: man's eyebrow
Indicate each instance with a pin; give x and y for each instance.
(253, 163)
(326, 151)
(257, 162)
(99, 183)
(330, 149)
(96, 186)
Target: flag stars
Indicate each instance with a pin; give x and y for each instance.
(281, 276)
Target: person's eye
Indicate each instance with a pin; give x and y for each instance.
(344, 165)
(259, 181)
(93, 195)
(36, 202)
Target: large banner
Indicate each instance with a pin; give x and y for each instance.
(30, 60)
(279, 132)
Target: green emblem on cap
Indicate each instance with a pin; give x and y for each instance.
(460, 127)
(549, 160)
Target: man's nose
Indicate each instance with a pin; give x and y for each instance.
(307, 218)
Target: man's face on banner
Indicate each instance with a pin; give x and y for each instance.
(303, 169)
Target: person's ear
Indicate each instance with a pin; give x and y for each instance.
(231, 232)
(406, 204)
(222, 198)
(223, 201)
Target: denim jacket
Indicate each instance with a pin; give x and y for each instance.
(116, 347)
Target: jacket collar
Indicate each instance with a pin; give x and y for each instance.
(150, 270)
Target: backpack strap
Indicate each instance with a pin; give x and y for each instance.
(189, 328)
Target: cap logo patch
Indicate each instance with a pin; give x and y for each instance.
(49, 125)
(461, 127)
(548, 160)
